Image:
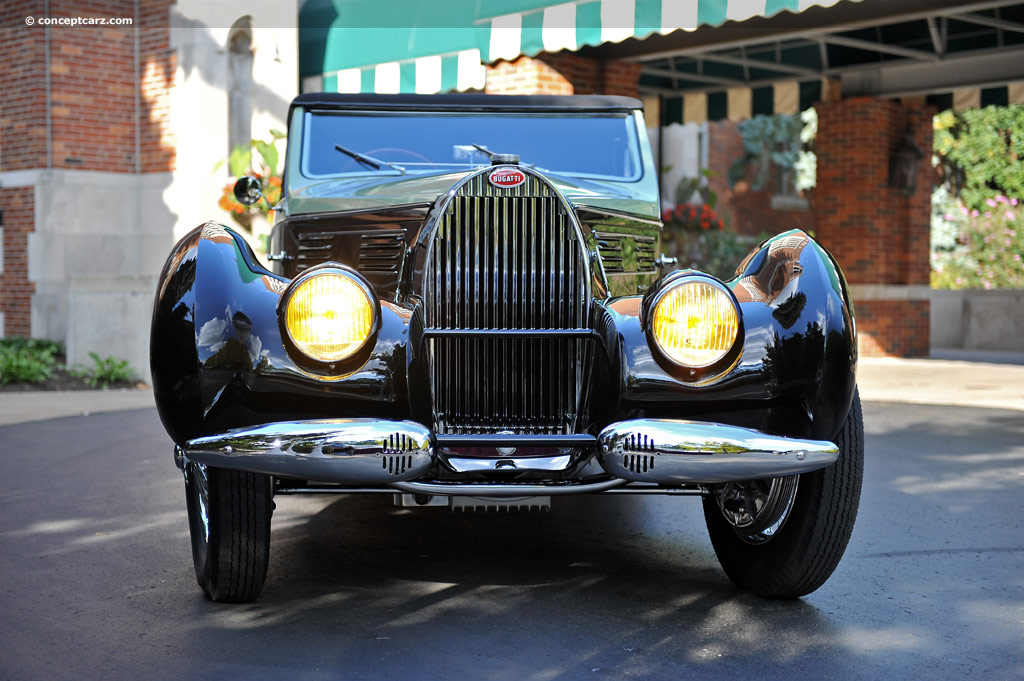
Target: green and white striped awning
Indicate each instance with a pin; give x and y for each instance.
(429, 46)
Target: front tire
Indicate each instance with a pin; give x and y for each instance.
(792, 555)
(229, 522)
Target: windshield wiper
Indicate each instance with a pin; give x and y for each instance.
(492, 154)
(374, 163)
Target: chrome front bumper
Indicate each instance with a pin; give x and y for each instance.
(681, 452)
(398, 453)
(344, 451)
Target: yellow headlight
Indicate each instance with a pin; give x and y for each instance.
(329, 316)
(695, 323)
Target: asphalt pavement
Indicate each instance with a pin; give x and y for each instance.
(97, 579)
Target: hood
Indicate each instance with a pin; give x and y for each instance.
(380, 190)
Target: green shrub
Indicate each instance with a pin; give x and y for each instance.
(105, 371)
(988, 249)
(979, 152)
(716, 252)
(27, 360)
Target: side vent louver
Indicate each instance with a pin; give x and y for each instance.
(626, 253)
(381, 252)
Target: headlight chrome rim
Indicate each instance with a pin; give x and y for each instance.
(707, 371)
(341, 364)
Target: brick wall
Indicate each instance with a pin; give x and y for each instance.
(15, 288)
(94, 120)
(878, 234)
(563, 73)
(92, 71)
(22, 87)
(899, 328)
(744, 210)
(157, 67)
(526, 76)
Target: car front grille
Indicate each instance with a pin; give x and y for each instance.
(505, 265)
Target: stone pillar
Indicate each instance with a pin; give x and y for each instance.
(879, 235)
(563, 74)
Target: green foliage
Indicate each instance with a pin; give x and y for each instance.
(779, 140)
(716, 252)
(260, 159)
(980, 150)
(721, 252)
(688, 186)
(105, 371)
(978, 248)
(767, 141)
(27, 360)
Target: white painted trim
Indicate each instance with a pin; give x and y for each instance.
(506, 37)
(350, 80)
(387, 78)
(741, 10)
(472, 75)
(559, 27)
(428, 75)
(32, 178)
(617, 20)
(22, 178)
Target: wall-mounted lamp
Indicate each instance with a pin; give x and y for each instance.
(904, 163)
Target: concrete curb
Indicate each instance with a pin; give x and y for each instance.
(23, 407)
(943, 382)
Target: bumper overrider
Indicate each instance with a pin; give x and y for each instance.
(404, 454)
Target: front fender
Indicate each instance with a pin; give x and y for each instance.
(217, 356)
(797, 370)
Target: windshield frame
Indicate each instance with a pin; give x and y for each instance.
(633, 143)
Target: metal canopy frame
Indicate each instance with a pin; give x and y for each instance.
(884, 48)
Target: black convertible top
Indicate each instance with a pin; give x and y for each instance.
(460, 101)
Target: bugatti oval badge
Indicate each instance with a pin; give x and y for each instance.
(506, 178)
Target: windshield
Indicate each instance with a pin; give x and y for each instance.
(602, 146)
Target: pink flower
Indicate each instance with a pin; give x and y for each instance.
(986, 284)
(1009, 215)
(1013, 202)
(948, 217)
(959, 281)
(975, 213)
(1001, 199)
(990, 202)
(963, 209)
(988, 213)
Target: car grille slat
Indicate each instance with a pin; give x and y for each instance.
(506, 260)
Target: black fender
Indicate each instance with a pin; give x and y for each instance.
(796, 373)
(218, 360)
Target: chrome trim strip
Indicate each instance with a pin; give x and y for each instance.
(505, 490)
(465, 464)
(692, 452)
(345, 451)
(516, 440)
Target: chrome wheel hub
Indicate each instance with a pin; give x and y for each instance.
(757, 509)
